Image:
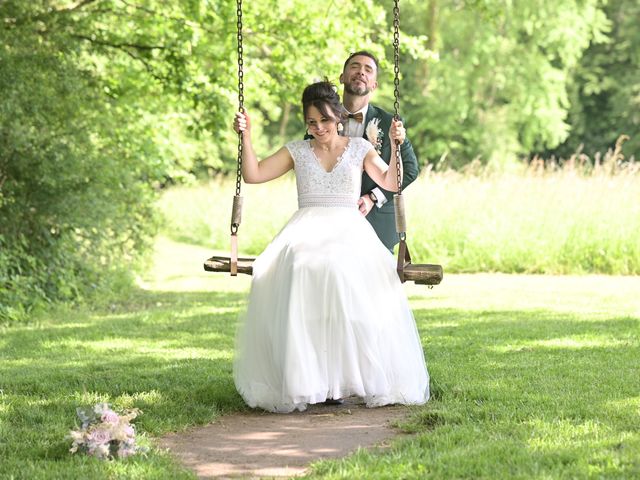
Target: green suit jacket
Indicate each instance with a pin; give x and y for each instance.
(383, 219)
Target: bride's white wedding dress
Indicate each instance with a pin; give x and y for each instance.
(327, 314)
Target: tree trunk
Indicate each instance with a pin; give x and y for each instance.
(432, 41)
(286, 110)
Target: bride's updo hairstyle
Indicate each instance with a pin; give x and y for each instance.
(324, 96)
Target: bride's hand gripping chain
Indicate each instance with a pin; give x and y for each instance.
(385, 175)
(254, 171)
(242, 124)
(397, 134)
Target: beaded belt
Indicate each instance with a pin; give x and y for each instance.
(327, 200)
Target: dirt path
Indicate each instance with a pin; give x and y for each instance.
(274, 445)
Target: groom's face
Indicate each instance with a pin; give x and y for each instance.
(360, 76)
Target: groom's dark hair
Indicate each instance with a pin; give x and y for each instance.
(364, 53)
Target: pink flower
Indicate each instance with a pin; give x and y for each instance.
(109, 416)
(100, 436)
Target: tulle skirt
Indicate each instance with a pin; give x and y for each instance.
(328, 318)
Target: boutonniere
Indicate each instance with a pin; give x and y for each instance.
(374, 134)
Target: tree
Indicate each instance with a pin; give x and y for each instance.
(492, 82)
(75, 174)
(605, 88)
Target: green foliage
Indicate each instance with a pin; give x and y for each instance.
(492, 80)
(605, 88)
(75, 171)
(200, 214)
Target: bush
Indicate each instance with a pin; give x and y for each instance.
(76, 196)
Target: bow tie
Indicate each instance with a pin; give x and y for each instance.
(358, 117)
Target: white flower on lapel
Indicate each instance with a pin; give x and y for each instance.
(374, 134)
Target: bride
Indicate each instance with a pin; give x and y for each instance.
(327, 316)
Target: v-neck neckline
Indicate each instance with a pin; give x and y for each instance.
(338, 160)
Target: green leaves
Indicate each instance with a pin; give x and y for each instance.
(77, 174)
(605, 87)
(496, 88)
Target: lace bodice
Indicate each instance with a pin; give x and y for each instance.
(338, 188)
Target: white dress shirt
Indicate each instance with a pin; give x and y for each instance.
(352, 128)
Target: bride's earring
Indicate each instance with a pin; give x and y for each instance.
(340, 127)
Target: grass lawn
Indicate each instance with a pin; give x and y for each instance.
(532, 376)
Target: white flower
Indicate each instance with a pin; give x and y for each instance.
(77, 436)
(100, 408)
(374, 134)
(373, 130)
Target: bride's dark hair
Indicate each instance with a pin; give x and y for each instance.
(324, 96)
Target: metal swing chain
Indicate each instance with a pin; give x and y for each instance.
(396, 104)
(236, 211)
(237, 202)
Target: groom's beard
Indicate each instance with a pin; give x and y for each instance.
(360, 90)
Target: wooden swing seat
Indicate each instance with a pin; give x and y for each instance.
(223, 264)
(421, 274)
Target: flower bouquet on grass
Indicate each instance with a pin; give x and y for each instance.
(104, 433)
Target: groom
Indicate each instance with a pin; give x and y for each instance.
(359, 79)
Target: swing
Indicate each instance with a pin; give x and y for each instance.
(422, 274)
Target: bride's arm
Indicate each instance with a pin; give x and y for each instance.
(386, 176)
(254, 171)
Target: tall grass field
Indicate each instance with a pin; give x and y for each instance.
(533, 219)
